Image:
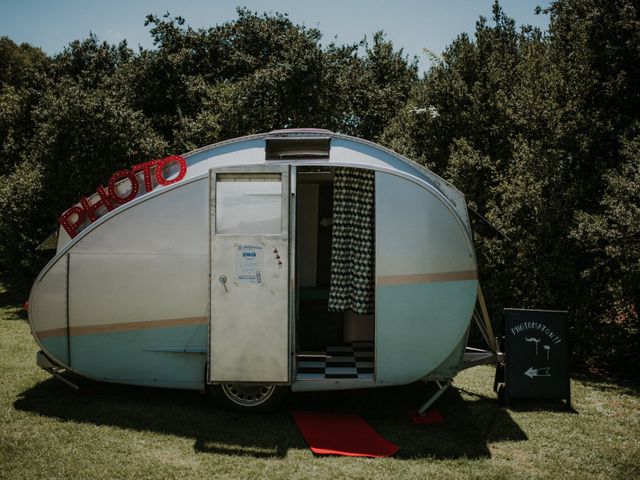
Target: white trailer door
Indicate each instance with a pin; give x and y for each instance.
(249, 326)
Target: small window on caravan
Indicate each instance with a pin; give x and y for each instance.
(248, 204)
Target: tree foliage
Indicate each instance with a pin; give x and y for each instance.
(539, 129)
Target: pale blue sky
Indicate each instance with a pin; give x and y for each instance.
(411, 24)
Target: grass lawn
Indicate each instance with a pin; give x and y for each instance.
(47, 430)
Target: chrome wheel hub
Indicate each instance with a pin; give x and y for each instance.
(248, 395)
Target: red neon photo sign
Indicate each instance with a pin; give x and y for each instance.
(110, 197)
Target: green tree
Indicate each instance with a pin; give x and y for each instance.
(536, 128)
(383, 87)
(90, 62)
(81, 138)
(609, 241)
(23, 79)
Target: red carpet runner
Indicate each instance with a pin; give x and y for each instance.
(341, 434)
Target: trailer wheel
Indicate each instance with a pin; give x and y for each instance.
(249, 397)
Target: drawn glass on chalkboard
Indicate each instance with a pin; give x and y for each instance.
(536, 341)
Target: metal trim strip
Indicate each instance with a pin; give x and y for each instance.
(427, 278)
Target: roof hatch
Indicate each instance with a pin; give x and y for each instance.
(302, 144)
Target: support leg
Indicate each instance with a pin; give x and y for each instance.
(62, 379)
(441, 389)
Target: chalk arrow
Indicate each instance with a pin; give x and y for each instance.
(538, 372)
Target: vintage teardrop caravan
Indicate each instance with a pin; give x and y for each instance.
(298, 259)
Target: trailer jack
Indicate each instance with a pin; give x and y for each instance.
(473, 356)
(442, 386)
(48, 366)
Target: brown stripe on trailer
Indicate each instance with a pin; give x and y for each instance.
(123, 327)
(427, 278)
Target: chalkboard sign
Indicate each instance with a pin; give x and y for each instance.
(537, 354)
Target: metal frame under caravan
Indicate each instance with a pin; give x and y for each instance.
(227, 278)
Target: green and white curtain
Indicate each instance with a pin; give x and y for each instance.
(353, 241)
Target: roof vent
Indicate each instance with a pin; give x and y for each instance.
(298, 147)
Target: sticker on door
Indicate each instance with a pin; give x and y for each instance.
(249, 264)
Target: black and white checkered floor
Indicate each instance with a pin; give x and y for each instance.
(350, 361)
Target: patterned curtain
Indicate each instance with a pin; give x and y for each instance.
(353, 241)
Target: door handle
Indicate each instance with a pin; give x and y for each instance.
(223, 281)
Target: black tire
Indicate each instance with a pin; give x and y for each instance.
(249, 397)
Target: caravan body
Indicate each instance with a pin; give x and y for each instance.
(224, 277)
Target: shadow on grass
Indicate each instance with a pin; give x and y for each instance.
(540, 405)
(186, 414)
(469, 425)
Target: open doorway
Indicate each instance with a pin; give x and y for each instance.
(335, 254)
